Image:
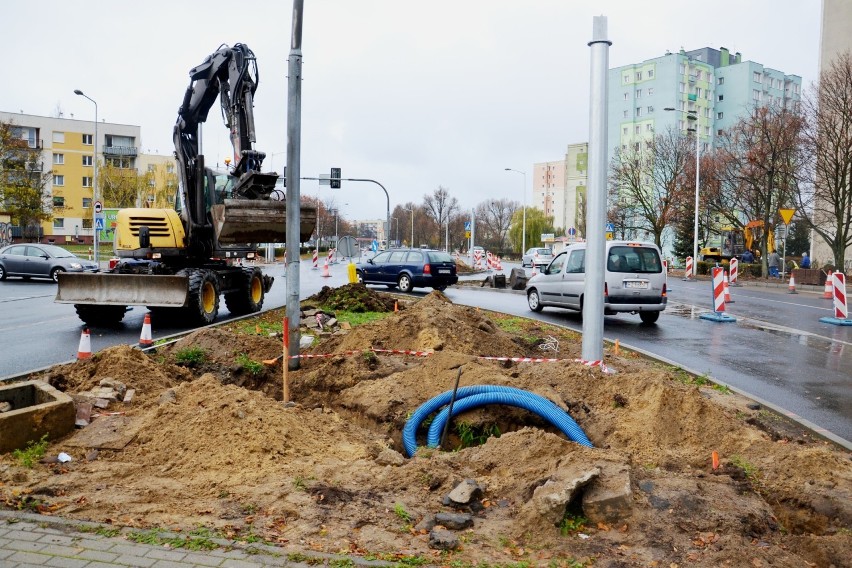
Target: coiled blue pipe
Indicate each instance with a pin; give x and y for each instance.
(481, 395)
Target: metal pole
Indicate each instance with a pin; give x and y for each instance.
(697, 185)
(593, 306)
(94, 176)
(294, 142)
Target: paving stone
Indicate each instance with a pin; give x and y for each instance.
(60, 550)
(101, 555)
(203, 559)
(21, 533)
(165, 554)
(61, 539)
(135, 561)
(58, 562)
(28, 557)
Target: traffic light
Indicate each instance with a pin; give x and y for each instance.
(335, 178)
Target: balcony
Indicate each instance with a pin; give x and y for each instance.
(129, 151)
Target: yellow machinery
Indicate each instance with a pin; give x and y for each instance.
(735, 241)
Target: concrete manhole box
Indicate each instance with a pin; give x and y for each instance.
(36, 409)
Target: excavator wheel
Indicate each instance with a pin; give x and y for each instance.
(202, 299)
(105, 316)
(249, 298)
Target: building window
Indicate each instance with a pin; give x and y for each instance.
(650, 91)
(682, 68)
(755, 95)
(625, 96)
(59, 159)
(697, 91)
(649, 127)
(625, 114)
(721, 80)
(650, 73)
(681, 87)
(638, 75)
(757, 77)
(706, 131)
(721, 98)
(638, 93)
(151, 168)
(650, 109)
(626, 78)
(170, 199)
(698, 74)
(170, 168)
(87, 139)
(58, 180)
(637, 129)
(638, 111)
(719, 132)
(87, 181)
(87, 160)
(87, 203)
(706, 113)
(59, 223)
(624, 131)
(87, 223)
(59, 138)
(58, 201)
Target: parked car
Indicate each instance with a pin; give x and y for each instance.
(537, 257)
(634, 280)
(409, 269)
(41, 261)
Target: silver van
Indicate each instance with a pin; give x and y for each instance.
(634, 281)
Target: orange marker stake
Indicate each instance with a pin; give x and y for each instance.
(715, 459)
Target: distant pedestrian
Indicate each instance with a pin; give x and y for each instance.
(774, 263)
(806, 260)
(748, 258)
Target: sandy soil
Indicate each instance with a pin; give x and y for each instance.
(213, 445)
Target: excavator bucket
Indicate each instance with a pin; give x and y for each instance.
(258, 221)
(122, 289)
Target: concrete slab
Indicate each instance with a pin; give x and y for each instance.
(37, 409)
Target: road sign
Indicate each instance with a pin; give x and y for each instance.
(335, 178)
(347, 246)
(609, 235)
(374, 246)
(787, 215)
(467, 234)
(610, 228)
(98, 207)
(467, 225)
(572, 231)
(99, 223)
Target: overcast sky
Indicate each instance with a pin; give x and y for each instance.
(413, 94)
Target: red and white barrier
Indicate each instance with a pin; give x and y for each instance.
(489, 260)
(735, 269)
(792, 286)
(690, 269)
(841, 308)
(719, 293)
(330, 259)
(477, 258)
(728, 299)
(498, 265)
(315, 258)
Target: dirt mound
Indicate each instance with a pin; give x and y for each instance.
(211, 443)
(350, 298)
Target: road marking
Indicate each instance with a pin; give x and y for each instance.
(19, 298)
(786, 303)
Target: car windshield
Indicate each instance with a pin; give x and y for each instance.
(57, 252)
(439, 256)
(634, 259)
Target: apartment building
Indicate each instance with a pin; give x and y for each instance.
(69, 150)
(559, 187)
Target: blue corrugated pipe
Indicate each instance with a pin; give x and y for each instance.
(481, 395)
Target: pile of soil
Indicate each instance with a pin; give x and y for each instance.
(211, 443)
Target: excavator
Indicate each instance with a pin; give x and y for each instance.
(178, 262)
(735, 241)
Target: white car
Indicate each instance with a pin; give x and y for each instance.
(634, 280)
(537, 257)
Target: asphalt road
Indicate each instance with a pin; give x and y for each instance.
(777, 350)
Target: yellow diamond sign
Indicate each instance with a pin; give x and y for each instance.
(787, 215)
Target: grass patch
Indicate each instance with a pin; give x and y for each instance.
(572, 523)
(400, 511)
(724, 389)
(253, 367)
(190, 356)
(198, 539)
(260, 327)
(32, 453)
(360, 318)
(470, 436)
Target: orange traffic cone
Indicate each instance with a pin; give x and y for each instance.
(325, 273)
(728, 299)
(828, 292)
(84, 351)
(792, 287)
(145, 340)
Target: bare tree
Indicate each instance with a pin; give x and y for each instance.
(827, 203)
(23, 181)
(645, 181)
(120, 187)
(493, 219)
(759, 161)
(440, 207)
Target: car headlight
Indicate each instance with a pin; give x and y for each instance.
(76, 266)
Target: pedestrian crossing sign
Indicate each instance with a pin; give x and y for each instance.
(99, 224)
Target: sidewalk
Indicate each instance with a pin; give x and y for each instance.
(28, 540)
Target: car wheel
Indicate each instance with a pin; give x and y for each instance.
(440, 288)
(249, 296)
(2, 273)
(534, 301)
(359, 276)
(649, 317)
(405, 283)
(54, 274)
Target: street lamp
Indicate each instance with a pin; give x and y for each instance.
(411, 244)
(693, 116)
(524, 228)
(94, 177)
(397, 229)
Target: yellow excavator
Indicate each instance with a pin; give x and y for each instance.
(179, 261)
(735, 241)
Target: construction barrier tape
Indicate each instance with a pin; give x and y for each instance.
(402, 352)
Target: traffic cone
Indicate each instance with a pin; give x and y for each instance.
(325, 273)
(828, 293)
(728, 299)
(84, 351)
(145, 339)
(792, 287)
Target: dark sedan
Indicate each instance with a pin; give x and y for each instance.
(41, 261)
(408, 269)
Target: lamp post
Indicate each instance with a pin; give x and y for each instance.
(411, 244)
(693, 116)
(94, 178)
(524, 228)
(397, 229)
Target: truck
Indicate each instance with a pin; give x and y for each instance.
(178, 262)
(735, 241)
